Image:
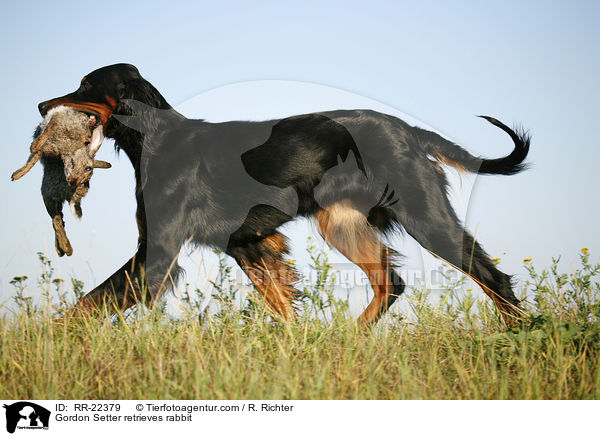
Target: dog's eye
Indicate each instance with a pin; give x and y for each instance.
(85, 85)
(88, 169)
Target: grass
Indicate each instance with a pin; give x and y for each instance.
(456, 348)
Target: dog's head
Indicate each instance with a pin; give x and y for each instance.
(101, 91)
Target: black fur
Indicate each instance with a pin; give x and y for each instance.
(231, 185)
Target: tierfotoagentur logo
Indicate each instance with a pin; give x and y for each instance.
(26, 415)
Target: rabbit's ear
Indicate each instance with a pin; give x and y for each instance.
(101, 164)
(97, 138)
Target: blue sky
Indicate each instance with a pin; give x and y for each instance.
(533, 63)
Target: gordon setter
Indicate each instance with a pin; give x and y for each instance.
(359, 174)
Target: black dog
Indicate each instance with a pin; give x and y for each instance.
(358, 173)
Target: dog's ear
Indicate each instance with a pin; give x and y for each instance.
(140, 116)
(141, 90)
(121, 87)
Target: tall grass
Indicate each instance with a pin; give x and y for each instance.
(455, 348)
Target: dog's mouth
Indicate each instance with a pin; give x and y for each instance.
(101, 111)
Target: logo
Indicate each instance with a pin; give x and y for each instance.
(26, 415)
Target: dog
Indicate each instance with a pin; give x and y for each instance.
(358, 174)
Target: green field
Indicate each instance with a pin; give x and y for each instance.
(455, 348)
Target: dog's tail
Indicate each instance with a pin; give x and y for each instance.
(451, 154)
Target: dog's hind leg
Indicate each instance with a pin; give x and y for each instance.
(274, 278)
(347, 230)
(497, 285)
(444, 237)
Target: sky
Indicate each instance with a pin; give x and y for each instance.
(432, 63)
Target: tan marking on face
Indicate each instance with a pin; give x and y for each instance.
(104, 110)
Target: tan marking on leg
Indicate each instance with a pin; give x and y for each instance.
(274, 278)
(347, 230)
(510, 312)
